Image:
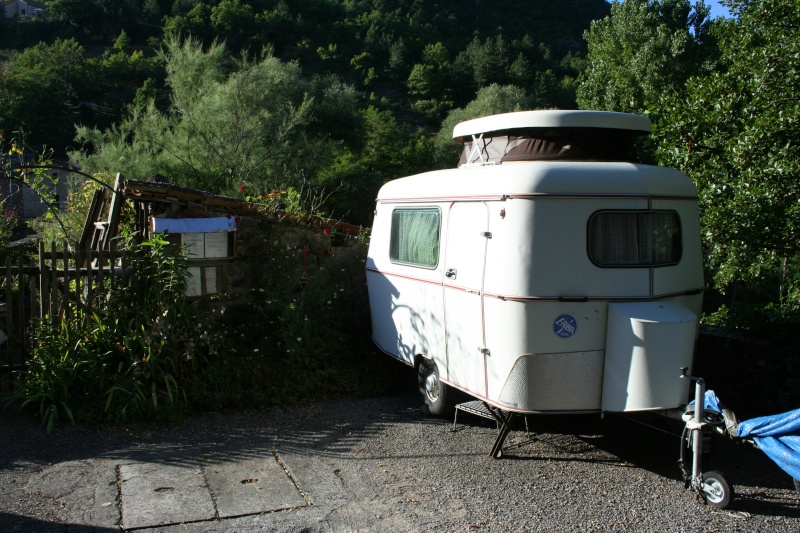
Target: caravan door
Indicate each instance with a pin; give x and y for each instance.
(465, 256)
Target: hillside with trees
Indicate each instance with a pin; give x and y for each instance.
(331, 96)
(323, 101)
(335, 97)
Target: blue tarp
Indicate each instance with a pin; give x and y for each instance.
(710, 401)
(778, 436)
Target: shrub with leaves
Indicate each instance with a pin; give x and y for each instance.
(127, 362)
(8, 223)
(296, 341)
(69, 223)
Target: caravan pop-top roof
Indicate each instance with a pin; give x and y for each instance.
(590, 153)
(550, 135)
(523, 120)
(529, 180)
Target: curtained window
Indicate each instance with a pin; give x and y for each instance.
(415, 237)
(635, 238)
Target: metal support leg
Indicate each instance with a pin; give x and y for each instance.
(504, 420)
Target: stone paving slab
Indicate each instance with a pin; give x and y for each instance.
(162, 494)
(251, 486)
(156, 494)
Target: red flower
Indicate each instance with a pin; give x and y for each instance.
(276, 192)
(242, 187)
(327, 230)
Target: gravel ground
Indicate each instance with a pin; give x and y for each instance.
(381, 464)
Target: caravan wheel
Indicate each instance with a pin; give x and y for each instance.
(716, 489)
(434, 393)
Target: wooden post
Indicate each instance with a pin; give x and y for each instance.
(44, 284)
(21, 309)
(9, 314)
(101, 286)
(90, 277)
(78, 275)
(65, 297)
(113, 213)
(53, 283)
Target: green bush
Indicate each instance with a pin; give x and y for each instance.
(126, 363)
(8, 225)
(289, 345)
(155, 355)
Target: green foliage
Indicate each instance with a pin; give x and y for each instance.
(371, 44)
(736, 133)
(8, 225)
(117, 76)
(252, 124)
(644, 50)
(290, 345)
(48, 88)
(39, 93)
(96, 18)
(25, 169)
(127, 362)
(431, 81)
(357, 173)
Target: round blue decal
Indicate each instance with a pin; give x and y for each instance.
(564, 326)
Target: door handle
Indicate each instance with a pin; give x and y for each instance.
(451, 273)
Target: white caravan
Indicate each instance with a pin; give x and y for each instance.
(548, 273)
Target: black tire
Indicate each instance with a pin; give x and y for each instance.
(434, 393)
(721, 492)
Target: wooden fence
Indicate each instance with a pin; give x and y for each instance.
(61, 281)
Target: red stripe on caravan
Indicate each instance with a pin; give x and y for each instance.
(534, 196)
(442, 198)
(395, 275)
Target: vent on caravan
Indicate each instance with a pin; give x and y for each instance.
(550, 136)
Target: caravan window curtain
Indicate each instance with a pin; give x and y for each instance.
(415, 237)
(635, 238)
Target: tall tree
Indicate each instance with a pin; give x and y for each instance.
(252, 126)
(39, 93)
(386, 149)
(737, 133)
(645, 49)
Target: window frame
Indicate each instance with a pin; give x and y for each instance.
(678, 255)
(392, 226)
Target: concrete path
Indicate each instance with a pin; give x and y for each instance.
(138, 495)
(376, 465)
(153, 494)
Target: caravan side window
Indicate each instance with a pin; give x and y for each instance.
(635, 238)
(415, 236)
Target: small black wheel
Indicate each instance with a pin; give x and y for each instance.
(434, 393)
(717, 492)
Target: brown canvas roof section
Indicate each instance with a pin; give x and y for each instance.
(147, 191)
(552, 144)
